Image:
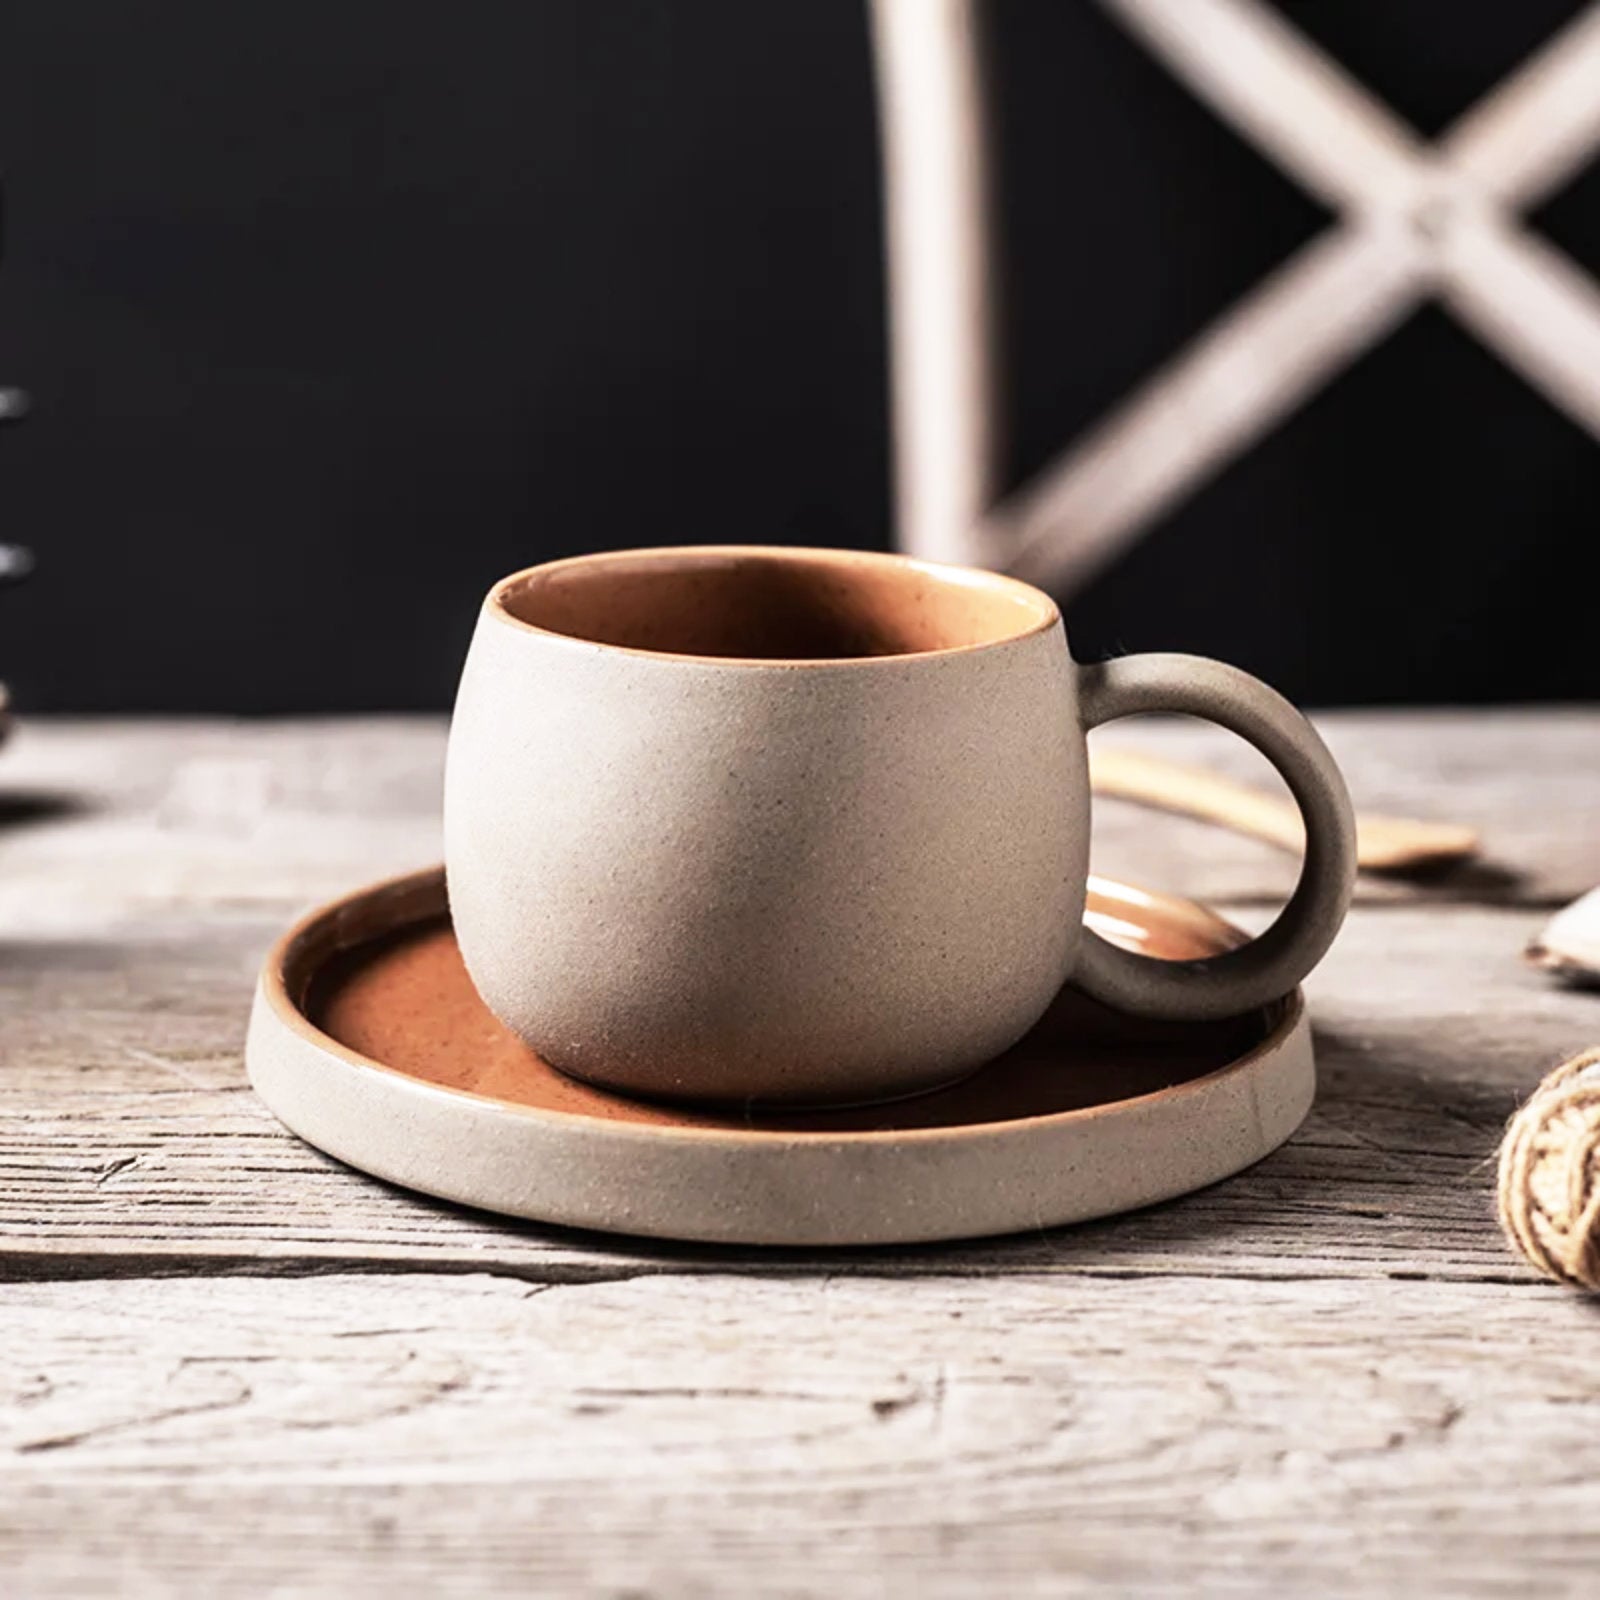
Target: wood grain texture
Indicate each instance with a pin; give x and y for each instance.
(230, 1366)
(104, 820)
(129, 1140)
(819, 1436)
(99, 821)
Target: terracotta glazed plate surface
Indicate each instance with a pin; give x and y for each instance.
(368, 1040)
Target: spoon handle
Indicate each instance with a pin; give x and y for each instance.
(1383, 844)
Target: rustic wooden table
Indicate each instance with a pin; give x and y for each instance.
(230, 1366)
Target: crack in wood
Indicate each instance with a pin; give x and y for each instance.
(67, 1441)
(111, 1168)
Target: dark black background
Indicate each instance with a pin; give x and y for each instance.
(334, 310)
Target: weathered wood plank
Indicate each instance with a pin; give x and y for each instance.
(846, 1437)
(606, 1415)
(1325, 1376)
(170, 815)
(129, 1140)
(100, 820)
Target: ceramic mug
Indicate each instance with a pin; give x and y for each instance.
(813, 825)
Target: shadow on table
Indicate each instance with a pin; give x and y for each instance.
(25, 961)
(1391, 1174)
(1473, 879)
(20, 808)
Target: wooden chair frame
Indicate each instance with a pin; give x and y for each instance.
(1416, 219)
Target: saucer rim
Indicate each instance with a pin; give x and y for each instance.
(1284, 1017)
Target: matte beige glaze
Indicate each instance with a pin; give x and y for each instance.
(369, 1040)
(813, 826)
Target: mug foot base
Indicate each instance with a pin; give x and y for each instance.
(753, 1105)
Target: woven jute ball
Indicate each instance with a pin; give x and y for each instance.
(1550, 1174)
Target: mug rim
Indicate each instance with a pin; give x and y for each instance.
(1046, 613)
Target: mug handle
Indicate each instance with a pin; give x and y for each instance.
(1269, 966)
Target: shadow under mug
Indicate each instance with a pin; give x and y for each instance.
(813, 826)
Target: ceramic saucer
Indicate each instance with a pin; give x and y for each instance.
(369, 1041)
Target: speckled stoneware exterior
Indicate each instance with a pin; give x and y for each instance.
(813, 826)
(369, 1040)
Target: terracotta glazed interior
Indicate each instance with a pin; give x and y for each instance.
(772, 605)
(398, 994)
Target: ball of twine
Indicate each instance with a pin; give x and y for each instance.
(1550, 1174)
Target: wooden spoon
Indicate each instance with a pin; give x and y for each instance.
(1383, 844)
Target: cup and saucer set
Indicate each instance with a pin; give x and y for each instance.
(766, 919)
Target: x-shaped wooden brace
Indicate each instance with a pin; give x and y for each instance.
(1417, 219)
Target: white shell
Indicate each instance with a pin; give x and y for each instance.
(1570, 943)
